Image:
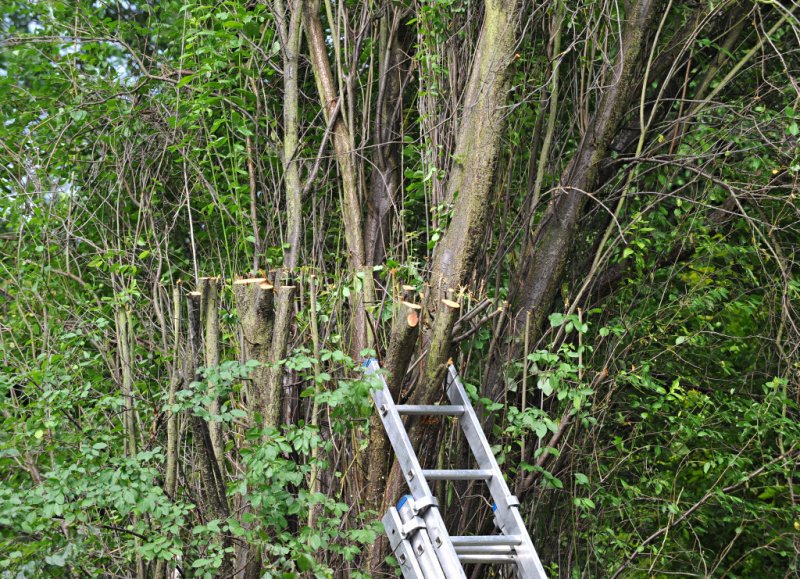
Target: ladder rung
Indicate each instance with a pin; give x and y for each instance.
(458, 474)
(429, 410)
(487, 550)
(486, 541)
(470, 558)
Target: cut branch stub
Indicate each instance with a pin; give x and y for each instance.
(254, 302)
(412, 313)
(451, 304)
(254, 299)
(405, 331)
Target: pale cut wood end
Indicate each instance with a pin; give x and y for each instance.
(249, 280)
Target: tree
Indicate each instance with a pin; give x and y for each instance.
(210, 213)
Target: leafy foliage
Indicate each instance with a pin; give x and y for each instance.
(649, 427)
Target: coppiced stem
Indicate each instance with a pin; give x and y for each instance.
(209, 312)
(212, 484)
(254, 299)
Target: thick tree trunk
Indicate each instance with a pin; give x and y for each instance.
(544, 257)
(471, 179)
(254, 302)
(545, 254)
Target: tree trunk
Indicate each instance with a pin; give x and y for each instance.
(343, 146)
(386, 177)
(212, 485)
(209, 312)
(254, 302)
(544, 257)
(471, 178)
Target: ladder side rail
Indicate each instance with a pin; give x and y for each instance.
(420, 540)
(395, 430)
(401, 547)
(506, 513)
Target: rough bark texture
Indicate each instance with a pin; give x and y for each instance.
(284, 313)
(294, 205)
(471, 178)
(256, 316)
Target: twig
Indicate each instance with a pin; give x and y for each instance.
(640, 549)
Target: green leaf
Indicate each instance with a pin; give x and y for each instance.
(304, 562)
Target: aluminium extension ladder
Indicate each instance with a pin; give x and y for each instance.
(417, 534)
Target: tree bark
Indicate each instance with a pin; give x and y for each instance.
(209, 312)
(171, 469)
(125, 345)
(213, 488)
(545, 253)
(254, 302)
(471, 178)
(386, 177)
(343, 146)
(544, 257)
